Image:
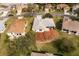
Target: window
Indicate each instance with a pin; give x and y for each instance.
(40, 29)
(49, 27)
(17, 34)
(73, 32)
(66, 30)
(11, 33)
(20, 34)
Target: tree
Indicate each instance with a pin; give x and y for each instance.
(4, 43)
(64, 45)
(21, 45)
(59, 24)
(24, 10)
(47, 15)
(13, 11)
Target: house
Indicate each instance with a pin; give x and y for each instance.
(41, 24)
(2, 21)
(41, 54)
(48, 8)
(4, 11)
(70, 26)
(2, 27)
(75, 9)
(19, 8)
(44, 28)
(17, 28)
(63, 6)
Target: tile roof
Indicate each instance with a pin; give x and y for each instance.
(64, 6)
(17, 26)
(71, 25)
(46, 36)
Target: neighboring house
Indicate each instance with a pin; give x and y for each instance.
(48, 8)
(63, 7)
(1, 10)
(2, 21)
(17, 28)
(5, 13)
(70, 26)
(44, 28)
(19, 8)
(2, 27)
(75, 10)
(41, 54)
(42, 24)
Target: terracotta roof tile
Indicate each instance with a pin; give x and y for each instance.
(50, 35)
(71, 25)
(17, 26)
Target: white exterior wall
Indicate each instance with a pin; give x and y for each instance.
(74, 8)
(19, 13)
(12, 35)
(46, 10)
(39, 31)
(66, 12)
(4, 13)
(2, 30)
(77, 33)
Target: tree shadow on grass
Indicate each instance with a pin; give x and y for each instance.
(59, 24)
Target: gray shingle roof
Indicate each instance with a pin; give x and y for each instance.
(40, 23)
(2, 27)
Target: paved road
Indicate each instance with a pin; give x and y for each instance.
(34, 14)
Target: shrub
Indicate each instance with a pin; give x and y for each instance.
(64, 45)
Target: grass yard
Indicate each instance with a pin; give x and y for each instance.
(30, 23)
(3, 38)
(49, 46)
(74, 39)
(3, 45)
(8, 22)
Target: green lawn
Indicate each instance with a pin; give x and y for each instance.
(51, 49)
(3, 45)
(48, 47)
(3, 38)
(30, 22)
(8, 22)
(74, 39)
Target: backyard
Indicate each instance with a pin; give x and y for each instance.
(47, 47)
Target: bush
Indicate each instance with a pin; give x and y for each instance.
(22, 45)
(64, 45)
(59, 24)
(47, 15)
(24, 10)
